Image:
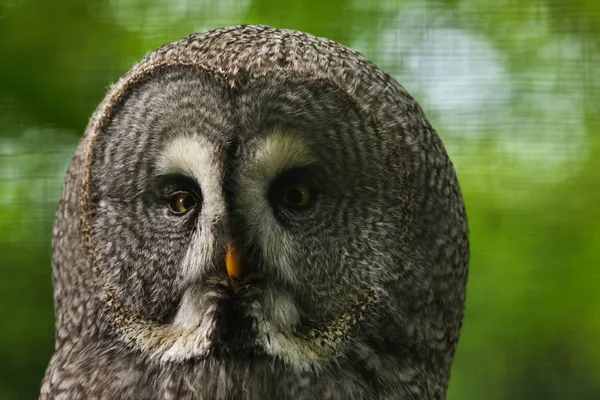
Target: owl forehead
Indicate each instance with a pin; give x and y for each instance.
(184, 105)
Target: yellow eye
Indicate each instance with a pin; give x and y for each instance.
(297, 196)
(181, 202)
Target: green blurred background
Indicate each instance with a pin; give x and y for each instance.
(511, 86)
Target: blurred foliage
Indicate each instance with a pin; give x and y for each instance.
(511, 86)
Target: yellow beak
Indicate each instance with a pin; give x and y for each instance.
(234, 267)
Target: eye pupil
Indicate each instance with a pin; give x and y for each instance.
(186, 202)
(294, 196)
(181, 202)
(297, 196)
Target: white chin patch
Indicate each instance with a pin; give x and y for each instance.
(280, 309)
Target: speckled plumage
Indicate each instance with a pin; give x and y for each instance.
(359, 297)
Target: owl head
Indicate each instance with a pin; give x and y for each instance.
(255, 194)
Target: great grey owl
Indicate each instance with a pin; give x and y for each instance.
(256, 213)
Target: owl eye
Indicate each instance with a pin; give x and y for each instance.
(294, 190)
(297, 196)
(181, 202)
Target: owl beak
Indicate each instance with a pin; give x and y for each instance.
(234, 266)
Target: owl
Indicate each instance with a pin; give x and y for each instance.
(257, 213)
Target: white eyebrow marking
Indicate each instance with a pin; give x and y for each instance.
(194, 157)
(281, 151)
